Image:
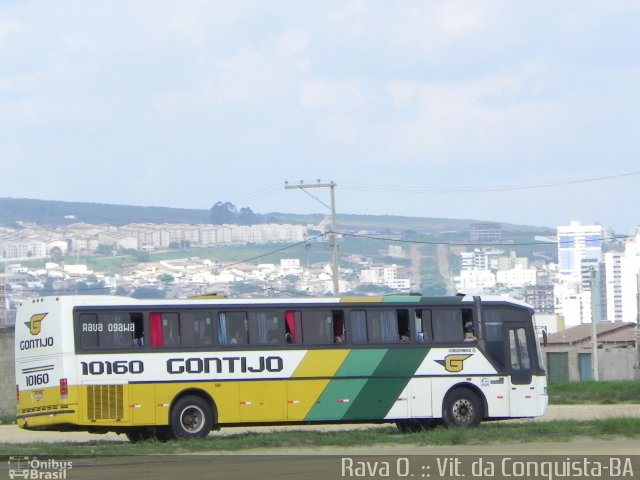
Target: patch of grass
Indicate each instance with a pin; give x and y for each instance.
(487, 433)
(603, 393)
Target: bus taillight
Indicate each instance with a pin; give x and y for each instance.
(64, 390)
(17, 393)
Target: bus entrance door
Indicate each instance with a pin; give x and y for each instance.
(521, 398)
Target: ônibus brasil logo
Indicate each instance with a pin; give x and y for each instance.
(34, 324)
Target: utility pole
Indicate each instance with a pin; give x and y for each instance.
(334, 240)
(594, 329)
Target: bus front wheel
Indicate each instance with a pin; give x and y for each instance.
(462, 408)
(191, 417)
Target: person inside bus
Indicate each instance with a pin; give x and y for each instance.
(338, 339)
(468, 332)
(404, 337)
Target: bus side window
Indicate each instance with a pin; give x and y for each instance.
(447, 324)
(171, 329)
(382, 326)
(423, 326)
(403, 326)
(338, 326)
(89, 328)
(138, 329)
(232, 328)
(467, 326)
(317, 326)
(196, 329)
(293, 326)
(358, 326)
(263, 328)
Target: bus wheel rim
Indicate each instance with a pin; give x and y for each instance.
(463, 411)
(192, 419)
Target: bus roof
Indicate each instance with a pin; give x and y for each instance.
(110, 300)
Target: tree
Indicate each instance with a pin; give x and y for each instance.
(56, 254)
(166, 278)
(222, 213)
(247, 217)
(147, 292)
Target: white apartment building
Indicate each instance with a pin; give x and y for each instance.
(517, 277)
(476, 260)
(613, 278)
(118, 240)
(572, 304)
(474, 282)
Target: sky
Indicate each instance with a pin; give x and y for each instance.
(523, 112)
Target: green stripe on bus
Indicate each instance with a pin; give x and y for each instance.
(384, 387)
(335, 400)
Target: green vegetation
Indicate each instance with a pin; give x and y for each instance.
(309, 438)
(577, 393)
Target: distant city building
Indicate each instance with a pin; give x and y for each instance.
(3, 302)
(487, 232)
(476, 260)
(540, 297)
(576, 243)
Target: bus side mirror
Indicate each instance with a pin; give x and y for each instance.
(544, 338)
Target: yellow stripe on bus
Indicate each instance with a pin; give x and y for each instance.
(320, 363)
(309, 380)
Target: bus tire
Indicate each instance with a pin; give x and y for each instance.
(462, 408)
(191, 417)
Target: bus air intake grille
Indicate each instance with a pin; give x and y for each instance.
(105, 402)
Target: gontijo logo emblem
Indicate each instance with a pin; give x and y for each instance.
(453, 363)
(34, 323)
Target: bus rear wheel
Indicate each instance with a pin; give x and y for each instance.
(191, 417)
(462, 408)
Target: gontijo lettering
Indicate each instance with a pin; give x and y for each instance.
(224, 364)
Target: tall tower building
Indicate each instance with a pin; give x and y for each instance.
(577, 243)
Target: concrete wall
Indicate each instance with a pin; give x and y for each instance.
(613, 363)
(7, 372)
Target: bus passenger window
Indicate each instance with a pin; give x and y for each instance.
(232, 328)
(447, 324)
(467, 326)
(422, 324)
(318, 326)
(358, 326)
(338, 326)
(403, 326)
(138, 329)
(171, 329)
(263, 328)
(293, 326)
(196, 329)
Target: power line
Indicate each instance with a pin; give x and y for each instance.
(476, 189)
(502, 244)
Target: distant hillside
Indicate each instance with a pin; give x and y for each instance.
(49, 212)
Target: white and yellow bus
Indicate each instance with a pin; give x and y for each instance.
(181, 368)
